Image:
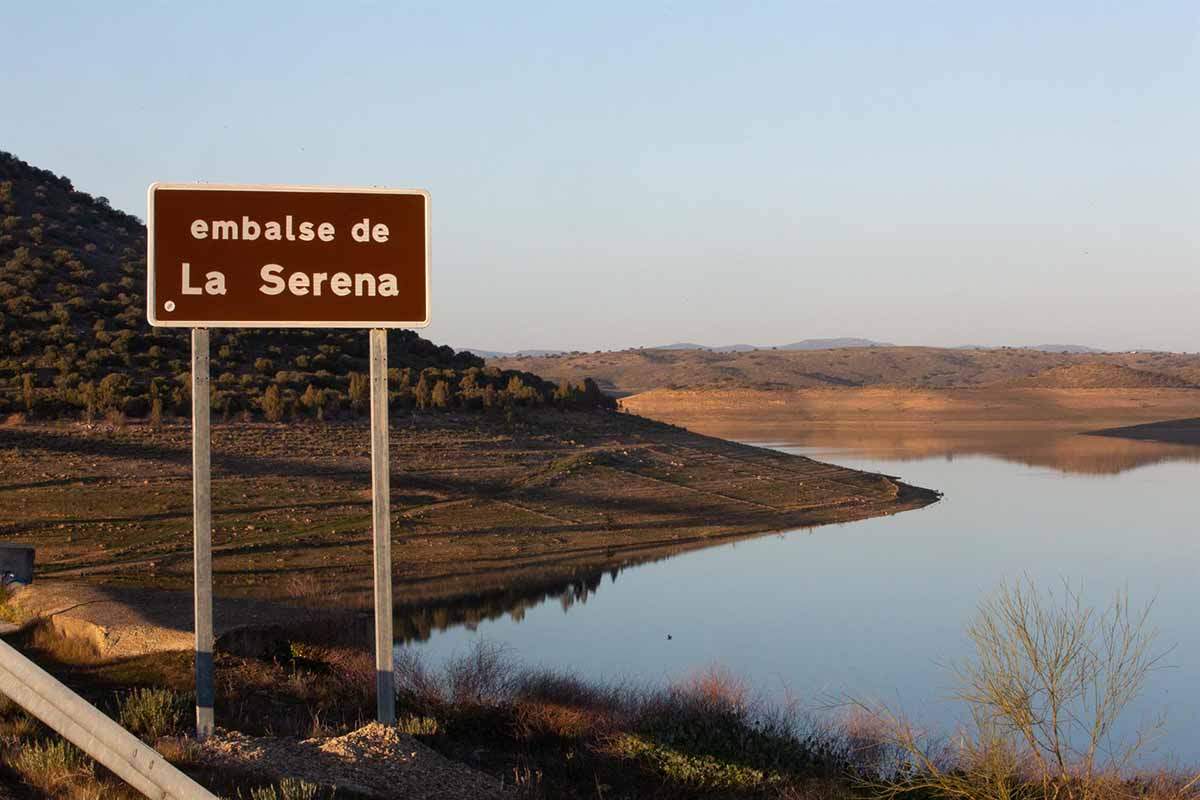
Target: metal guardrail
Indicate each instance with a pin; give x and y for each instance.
(92, 731)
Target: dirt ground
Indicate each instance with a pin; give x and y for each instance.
(374, 761)
(481, 507)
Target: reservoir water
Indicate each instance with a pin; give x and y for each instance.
(876, 609)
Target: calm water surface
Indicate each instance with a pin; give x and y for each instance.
(874, 609)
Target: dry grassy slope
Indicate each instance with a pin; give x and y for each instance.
(632, 371)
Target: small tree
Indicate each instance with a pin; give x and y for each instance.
(320, 401)
(423, 394)
(156, 406)
(440, 396)
(181, 398)
(112, 391)
(517, 391)
(27, 391)
(310, 398)
(360, 392)
(272, 403)
(594, 398)
(404, 390)
(156, 413)
(329, 403)
(565, 394)
(87, 393)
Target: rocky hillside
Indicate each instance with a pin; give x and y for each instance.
(74, 339)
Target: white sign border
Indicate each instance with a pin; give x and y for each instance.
(152, 317)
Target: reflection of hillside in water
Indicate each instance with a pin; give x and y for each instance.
(418, 622)
(1068, 451)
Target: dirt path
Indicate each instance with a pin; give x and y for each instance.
(123, 622)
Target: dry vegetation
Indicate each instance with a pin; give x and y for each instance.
(1047, 688)
(152, 697)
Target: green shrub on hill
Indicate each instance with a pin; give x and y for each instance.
(74, 341)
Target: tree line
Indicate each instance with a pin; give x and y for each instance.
(292, 396)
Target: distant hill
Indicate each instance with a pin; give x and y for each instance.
(684, 346)
(631, 371)
(833, 344)
(511, 354)
(725, 348)
(1065, 348)
(806, 344)
(1045, 348)
(74, 338)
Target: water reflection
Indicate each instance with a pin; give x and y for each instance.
(1070, 450)
(417, 623)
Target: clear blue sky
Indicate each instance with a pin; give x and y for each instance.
(620, 174)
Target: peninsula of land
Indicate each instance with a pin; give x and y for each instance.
(479, 504)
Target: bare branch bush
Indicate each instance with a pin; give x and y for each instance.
(1049, 680)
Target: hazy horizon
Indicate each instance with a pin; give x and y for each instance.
(775, 345)
(928, 175)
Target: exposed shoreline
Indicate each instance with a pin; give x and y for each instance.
(884, 406)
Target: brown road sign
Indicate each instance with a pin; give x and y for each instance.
(222, 256)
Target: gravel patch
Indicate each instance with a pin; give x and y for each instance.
(375, 760)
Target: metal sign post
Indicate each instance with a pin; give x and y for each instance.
(381, 524)
(202, 533)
